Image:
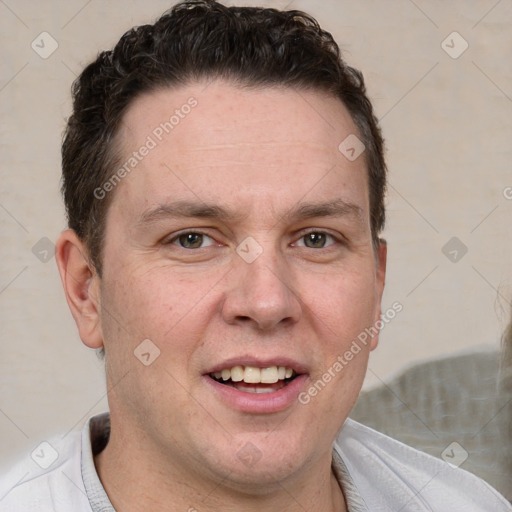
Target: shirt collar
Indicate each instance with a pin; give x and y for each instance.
(95, 435)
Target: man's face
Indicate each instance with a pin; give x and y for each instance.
(251, 289)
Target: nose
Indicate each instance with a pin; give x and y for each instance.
(260, 293)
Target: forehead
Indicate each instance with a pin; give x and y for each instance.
(221, 142)
(216, 110)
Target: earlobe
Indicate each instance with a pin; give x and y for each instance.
(81, 286)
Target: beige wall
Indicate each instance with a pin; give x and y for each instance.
(448, 130)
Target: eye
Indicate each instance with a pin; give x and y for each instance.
(316, 240)
(192, 240)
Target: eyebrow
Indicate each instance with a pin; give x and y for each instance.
(304, 210)
(334, 208)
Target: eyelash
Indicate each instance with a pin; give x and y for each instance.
(337, 239)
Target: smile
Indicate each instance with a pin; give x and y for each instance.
(251, 379)
(257, 387)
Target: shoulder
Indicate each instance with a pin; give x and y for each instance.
(47, 479)
(393, 476)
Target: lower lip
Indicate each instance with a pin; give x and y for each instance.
(259, 403)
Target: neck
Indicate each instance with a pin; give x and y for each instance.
(137, 477)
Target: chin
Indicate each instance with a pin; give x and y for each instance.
(260, 465)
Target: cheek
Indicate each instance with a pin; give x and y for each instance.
(151, 304)
(344, 316)
(146, 304)
(150, 335)
(346, 303)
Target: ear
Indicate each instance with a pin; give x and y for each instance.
(81, 286)
(380, 279)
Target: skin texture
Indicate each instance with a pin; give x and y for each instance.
(257, 152)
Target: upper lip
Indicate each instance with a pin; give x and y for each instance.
(258, 363)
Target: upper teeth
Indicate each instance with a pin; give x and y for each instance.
(253, 375)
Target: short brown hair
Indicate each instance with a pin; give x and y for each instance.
(202, 39)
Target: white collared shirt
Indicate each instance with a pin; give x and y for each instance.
(376, 473)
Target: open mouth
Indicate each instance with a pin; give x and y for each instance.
(251, 379)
